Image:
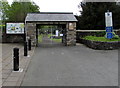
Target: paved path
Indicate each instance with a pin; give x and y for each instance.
(48, 43)
(10, 78)
(72, 66)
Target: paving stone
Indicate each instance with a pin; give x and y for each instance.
(18, 83)
(5, 75)
(23, 64)
(3, 80)
(9, 83)
(6, 57)
(15, 74)
(4, 64)
(8, 60)
(22, 76)
(8, 67)
(13, 79)
(6, 71)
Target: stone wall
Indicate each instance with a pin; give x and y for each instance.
(11, 38)
(64, 37)
(31, 33)
(14, 38)
(71, 34)
(98, 45)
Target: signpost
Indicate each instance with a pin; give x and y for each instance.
(109, 35)
(109, 29)
(109, 25)
(57, 33)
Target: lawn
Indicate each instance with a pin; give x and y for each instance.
(2, 25)
(49, 35)
(40, 38)
(94, 38)
(57, 40)
(53, 39)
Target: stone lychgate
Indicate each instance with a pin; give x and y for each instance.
(66, 19)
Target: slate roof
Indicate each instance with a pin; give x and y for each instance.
(50, 16)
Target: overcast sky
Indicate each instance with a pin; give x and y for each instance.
(57, 5)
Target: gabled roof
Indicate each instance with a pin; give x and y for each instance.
(50, 16)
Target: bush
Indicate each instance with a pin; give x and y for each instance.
(115, 36)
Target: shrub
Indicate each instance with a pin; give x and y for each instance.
(115, 36)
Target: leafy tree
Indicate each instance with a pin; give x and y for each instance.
(93, 15)
(19, 10)
(4, 9)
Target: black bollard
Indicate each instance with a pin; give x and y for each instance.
(24, 36)
(16, 59)
(29, 44)
(25, 49)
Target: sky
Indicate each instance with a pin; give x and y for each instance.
(57, 5)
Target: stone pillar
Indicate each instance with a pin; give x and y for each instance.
(64, 36)
(71, 34)
(31, 33)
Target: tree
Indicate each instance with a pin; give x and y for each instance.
(19, 10)
(93, 15)
(4, 8)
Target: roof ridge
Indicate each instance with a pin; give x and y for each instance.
(51, 13)
(51, 17)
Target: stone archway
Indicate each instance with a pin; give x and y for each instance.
(69, 37)
(46, 33)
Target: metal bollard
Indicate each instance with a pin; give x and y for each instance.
(29, 44)
(24, 36)
(25, 49)
(16, 59)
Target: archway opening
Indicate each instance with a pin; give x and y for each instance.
(50, 34)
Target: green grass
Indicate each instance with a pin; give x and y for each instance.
(57, 40)
(2, 25)
(40, 38)
(94, 38)
(49, 35)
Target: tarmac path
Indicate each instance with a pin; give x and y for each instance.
(58, 65)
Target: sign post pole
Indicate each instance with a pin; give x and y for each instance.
(109, 25)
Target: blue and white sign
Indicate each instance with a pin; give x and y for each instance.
(109, 25)
(108, 19)
(109, 29)
(57, 33)
(109, 35)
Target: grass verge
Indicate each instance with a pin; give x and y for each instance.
(57, 40)
(102, 39)
(40, 38)
(53, 39)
